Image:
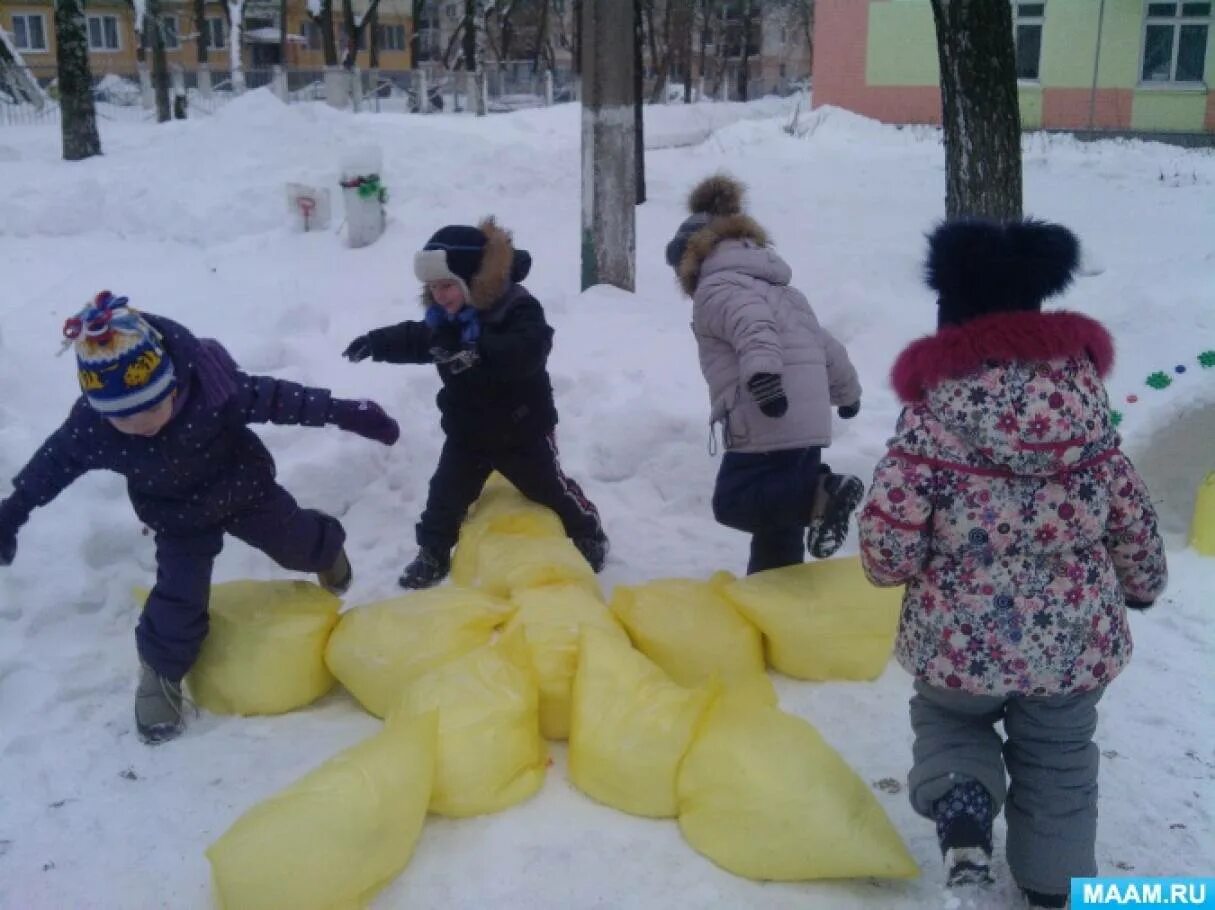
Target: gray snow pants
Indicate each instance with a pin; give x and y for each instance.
(1050, 801)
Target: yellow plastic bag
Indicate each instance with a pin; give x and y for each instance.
(265, 652)
(376, 649)
(630, 727)
(500, 509)
(339, 834)
(822, 620)
(764, 796)
(1202, 528)
(490, 754)
(550, 622)
(509, 563)
(690, 630)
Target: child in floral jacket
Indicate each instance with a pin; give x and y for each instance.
(1022, 534)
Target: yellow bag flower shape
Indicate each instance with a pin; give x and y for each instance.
(763, 796)
(490, 754)
(501, 509)
(630, 727)
(338, 835)
(376, 649)
(822, 620)
(509, 563)
(265, 652)
(550, 621)
(692, 632)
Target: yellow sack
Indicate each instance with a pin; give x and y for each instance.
(763, 796)
(336, 836)
(630, 727)
(376, 649)
(690, 630)
(550, 622)
(490, 754)
(1202, 527)
(822, 620)
(265, 652)
(508, 563)
(504, 510)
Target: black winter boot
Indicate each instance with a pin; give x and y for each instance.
(835, 500)
(1038, 899)
(337, 578)
(594, 550)
(428, 568)
(964, 818)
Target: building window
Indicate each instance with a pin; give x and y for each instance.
(168, 28)
(311, 32)
(215, 33)
(29, 32)
(1027, 36)
(103, 33)
(392, 38)
(1175, 41)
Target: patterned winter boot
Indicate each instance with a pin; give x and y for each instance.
(594, 550)
(159, 707)
(835, 500)
(428, 568)
(337, 578)
(964, 818)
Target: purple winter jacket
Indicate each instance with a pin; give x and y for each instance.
(204, 466)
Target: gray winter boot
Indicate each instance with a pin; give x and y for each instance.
(337, 578)
(159, 707)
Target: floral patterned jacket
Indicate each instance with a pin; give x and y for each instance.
(1007, 509)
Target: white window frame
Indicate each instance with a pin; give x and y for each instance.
(1176, 20)
(101, 17)
(164, 19)
(29, 49)
(215, 30)
(1038, 19)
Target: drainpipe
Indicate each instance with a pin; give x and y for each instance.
(1092, 95)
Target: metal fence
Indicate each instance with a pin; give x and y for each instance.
(128, 94)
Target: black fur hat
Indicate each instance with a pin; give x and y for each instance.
(979, 266)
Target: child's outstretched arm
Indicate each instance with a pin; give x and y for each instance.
(56, 464)
(844, 384)
(1132, 537)
(405, 342)
(896, 521)
(263, 399)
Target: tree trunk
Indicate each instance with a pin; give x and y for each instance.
(372, 22)
(282, 34)
(328, 38)
(202, 37)
(154, 25)
(77, 117)
(744, 73)
(415, 37)
(236, 28)
(980, 113)
(704, 40)
(609, 226)
(470, 35)
(577, 26)
(638, 101)
(542, 40)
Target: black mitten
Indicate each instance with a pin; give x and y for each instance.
(769, 394)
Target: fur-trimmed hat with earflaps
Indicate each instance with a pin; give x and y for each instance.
(978, 266)
(482, 258)
(716, 206)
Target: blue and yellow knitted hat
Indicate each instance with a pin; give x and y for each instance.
(121, 360)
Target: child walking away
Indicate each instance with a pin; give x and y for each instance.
(488, 338)
(169, 411)
(773, 374)
(1022, 534)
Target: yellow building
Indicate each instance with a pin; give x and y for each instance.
(114, 43)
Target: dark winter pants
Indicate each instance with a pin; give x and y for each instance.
(769, 495)
(1050, 802)
(534, 470)
(174, 621)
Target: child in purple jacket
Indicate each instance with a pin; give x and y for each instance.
(169, 411)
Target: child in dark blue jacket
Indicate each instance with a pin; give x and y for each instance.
(490, 342)
(169, 412)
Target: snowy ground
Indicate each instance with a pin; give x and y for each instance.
(189, 219)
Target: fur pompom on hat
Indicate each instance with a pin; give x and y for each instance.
(121, 361)
(979, 266)
(719, 196)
